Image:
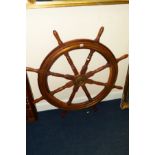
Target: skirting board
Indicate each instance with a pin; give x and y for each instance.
(43, 105)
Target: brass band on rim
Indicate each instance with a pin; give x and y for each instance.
(32, 4)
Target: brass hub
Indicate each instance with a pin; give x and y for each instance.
(80, 80)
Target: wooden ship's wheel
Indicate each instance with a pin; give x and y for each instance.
(80, 78)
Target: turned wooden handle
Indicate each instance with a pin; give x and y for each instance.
(99, 33)
(32, 69)
(122, 57)
(57, 37)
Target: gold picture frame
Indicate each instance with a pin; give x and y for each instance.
(33, 4)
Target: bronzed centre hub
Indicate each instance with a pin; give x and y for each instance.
(80, 80)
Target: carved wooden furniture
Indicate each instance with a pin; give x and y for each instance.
(80, 78)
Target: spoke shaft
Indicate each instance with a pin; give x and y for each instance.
(99, 33)
(71, 63)
(87, 92)
(118, 87)
(122, 57)
(38, 99)
(67, 85)
(91, 73)
(85, 66)
(57, 37)
(66, 76)
(90, 81)
(32, 69)
(75, 89)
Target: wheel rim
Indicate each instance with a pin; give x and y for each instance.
(81, 78)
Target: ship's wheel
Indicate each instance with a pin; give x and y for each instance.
(80, 78)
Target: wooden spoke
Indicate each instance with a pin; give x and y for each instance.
(122, 57)
(99, 34)
(57, 37)
(118, 87)
(71, 63)
(75, 89)
(32, 69)
(67, 85)
(66, 76)
(87, 92)
(91, 73)
(85, 66)
(90, 81)
(38, 99)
